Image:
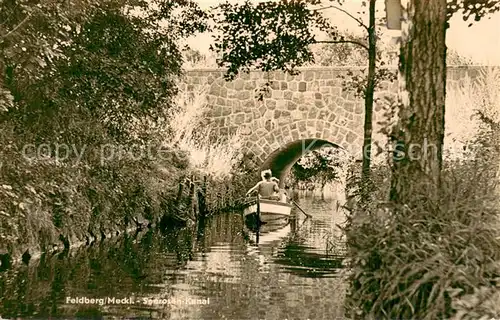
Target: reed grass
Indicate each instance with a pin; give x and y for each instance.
(470, 105)
(207, 153)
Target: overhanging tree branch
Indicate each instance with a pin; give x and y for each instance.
(16, 27)
(344, 41)
(347, 13)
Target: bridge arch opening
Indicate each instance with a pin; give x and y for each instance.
(281, 160)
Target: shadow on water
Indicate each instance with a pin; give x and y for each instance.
(213, 270)
(291, 251)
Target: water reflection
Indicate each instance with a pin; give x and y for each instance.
(214, 271)
(297, 246)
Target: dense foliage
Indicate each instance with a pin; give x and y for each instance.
(85, 93)
(268, 35)
(435, 261)
(476, 9)
(113, 61)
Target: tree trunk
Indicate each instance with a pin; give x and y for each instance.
(370, 89)
(418, 153)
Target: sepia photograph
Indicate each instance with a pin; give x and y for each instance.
(250, 159)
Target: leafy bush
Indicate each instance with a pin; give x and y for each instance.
(90, 78)
(346, 54)
(44, 198)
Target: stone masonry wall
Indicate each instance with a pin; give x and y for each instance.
(312, 104)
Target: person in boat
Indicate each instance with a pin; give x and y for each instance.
(285, 197)
(282, 194)
(266, 188)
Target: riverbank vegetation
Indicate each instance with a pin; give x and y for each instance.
(91, 122)
(214, 162)
(440, 258)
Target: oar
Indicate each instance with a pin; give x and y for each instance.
(307, 215)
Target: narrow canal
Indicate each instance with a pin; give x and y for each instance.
(216, 272)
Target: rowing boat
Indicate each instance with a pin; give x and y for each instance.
(270, 210)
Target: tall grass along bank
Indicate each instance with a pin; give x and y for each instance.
(435, 259)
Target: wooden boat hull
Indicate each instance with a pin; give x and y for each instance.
(270, 210)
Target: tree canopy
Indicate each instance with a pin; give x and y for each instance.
(277, 35)
(476, 9)
(267, 35)
(112, 60)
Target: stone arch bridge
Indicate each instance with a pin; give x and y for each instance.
(299, 113)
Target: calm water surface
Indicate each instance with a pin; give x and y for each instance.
(218, 271)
